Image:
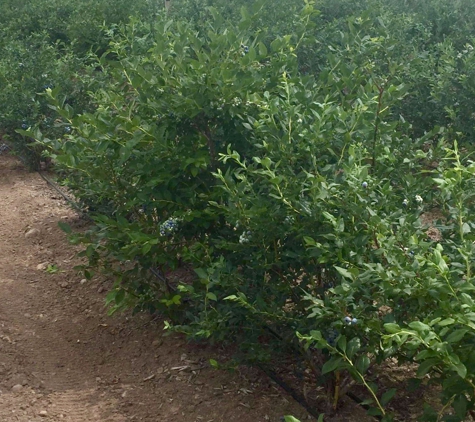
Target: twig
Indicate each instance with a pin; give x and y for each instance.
(376, 122)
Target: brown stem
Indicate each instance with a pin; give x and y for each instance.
(211, 147)
(376, 122)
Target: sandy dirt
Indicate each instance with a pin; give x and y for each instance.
(63, 359)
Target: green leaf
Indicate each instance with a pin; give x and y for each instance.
(276, 45)
(387, 396)
(353, 346)
(460, 406)
(426, 366)
(362, 364)
(392, 328)
(343, 272)
(342, 343)
(211, 296)
(244, 13)
(262, 49)
(419, 326)
(65, 227)
(439, 259)
(309, 241)
(456, 336)
(289, 418)
(331, 365)
(119, 297)
(202, 274)
(316, 335)
(446, 321)
(461, 369)
(374, 411)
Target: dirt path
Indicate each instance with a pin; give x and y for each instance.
(63, 359)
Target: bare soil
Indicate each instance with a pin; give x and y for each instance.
(63, 359)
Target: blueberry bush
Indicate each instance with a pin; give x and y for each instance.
(309, 166)
(47, 44)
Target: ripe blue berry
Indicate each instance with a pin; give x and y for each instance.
(354, 321)
(347, 319)
(364, 185)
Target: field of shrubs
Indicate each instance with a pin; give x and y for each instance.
(294, 177)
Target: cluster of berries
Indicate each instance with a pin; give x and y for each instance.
(350, 321)
(169, 227)
(245, 237)
(405, 202)
(237, 101)
(289, 220)
(418, 199)
(3, 148)
(331, 337)
(245, 49)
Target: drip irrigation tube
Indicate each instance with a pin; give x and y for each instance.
(298, 397)
(73, 204)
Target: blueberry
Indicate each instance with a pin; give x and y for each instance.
(24, 126)
(331, 336)
(354, 321)
(347, 319)
(364, 185)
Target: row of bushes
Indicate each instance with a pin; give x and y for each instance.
(53, 43)
(293, 174)
(425, 45)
